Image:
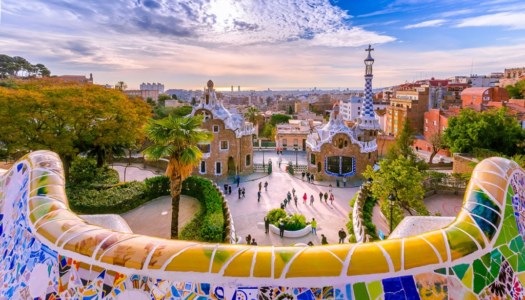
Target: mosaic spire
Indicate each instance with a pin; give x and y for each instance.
(368, 119)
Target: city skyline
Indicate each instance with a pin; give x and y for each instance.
(277, 45)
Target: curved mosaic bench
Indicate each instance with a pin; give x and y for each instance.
(49, 252)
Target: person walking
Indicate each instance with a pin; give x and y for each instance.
(342, 236)
(312, 200)
(238, 179)
(248, 239)
(325, 197)
(330, 188)
(289, 196)
(281, 228)
(312, 178)
(266, 225)
(332, 198)
(295, 200)
(260, 186)
(243, 192)
(321, 197)
(293, 191)
(302, 176)
(308, 176)
(229, 189)
(266, 186)
(240, 192)
(259, 196)
(280, 161)
(323, 240)
(314, 226)
(305, 197)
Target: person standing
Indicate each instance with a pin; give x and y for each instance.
(260, 186)
(321, 197)
(238, 179)
(266, 186)
(259, 196)
(325, 197)
(281, 228)
(330, 188)
(305, 197)
(344, 181)
(323, 240)
(332, 198)
(243, 192)
(229, 189)
(314, 226)
(254, 243)
(240, 192)
(280, 161)
(293, 191)
(295, 200)
(289, 196)
(266, 225)
(342, 236)
(312, 200)
(248, 239)
(302, 176)
(308, 176)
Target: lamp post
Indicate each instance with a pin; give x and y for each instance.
(296, 150)
(391, 199)
(260, 149)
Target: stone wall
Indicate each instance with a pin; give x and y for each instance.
(463, 164)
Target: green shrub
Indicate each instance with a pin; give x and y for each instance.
(211, 224)
(118, 199)
(290, 168)
(294, 222)
(275, 215)
(157, 186)
(84, 172)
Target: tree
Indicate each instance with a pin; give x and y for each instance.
(436, 140)
(403, 179)
(174, 97)
(279, 119)
(161, 100)
(121, 86)
(177, 140)
(516, 91)
(193, 101)
(404, 141)
(251, 114)
(493, 130)
(290, 110)
(69, 118)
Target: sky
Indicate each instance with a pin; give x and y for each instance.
(261, 44)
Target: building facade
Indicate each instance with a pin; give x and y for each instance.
(152, 87)
(293, 135)
(476, 97)
(338, 151)
(144, 94)
(231, 150)
(409, 103)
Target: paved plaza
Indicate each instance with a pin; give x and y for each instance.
(154, 217)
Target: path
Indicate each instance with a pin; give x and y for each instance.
(154, 217)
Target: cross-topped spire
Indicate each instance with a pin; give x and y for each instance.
(369, 49)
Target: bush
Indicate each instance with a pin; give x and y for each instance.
(209, 224)
(84, 172)
(115, 200)
(290, 168)
(291, 222)
(275, 215)
(157, 186)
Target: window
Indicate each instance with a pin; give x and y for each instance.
(248, 160)
(218, 168)
(435, 123)
(285, 143)
(312, 158)
(224, 145)
(202, 168)
(295, 142)
(215, 128)
(205, 148)
(426, 128)
(426, 121)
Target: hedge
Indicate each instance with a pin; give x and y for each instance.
(208, 225)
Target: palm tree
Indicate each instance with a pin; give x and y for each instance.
(251, 114)
(176, 139)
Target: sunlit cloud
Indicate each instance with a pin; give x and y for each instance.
(430, 23)
(513, 20)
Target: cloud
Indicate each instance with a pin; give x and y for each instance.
(513, 20)
(350, 38)
(430, 23)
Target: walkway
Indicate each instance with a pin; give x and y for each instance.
(154, 217)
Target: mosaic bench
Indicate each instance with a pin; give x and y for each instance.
(48, 252)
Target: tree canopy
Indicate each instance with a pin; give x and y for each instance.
(516, 91)
(69, 118)
(279, 119)
(493, 130)
(17, 66)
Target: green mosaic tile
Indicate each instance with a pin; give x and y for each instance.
(509, 229)
(505, 250)
(375, 289)
(485, 259)
(442, 271)
(360, 291)
(521, 263)
(516, 244)
(513, 261)
(460, 270)
(480, 276)
(495, 263)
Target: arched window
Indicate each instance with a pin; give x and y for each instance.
(248, 160)
(319, 167)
